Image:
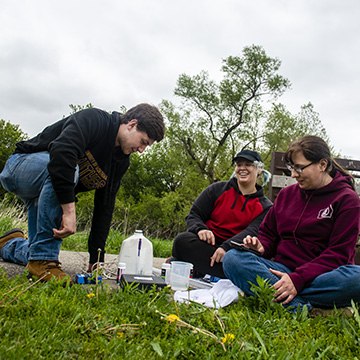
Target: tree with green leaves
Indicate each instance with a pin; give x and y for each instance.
(10, 134)
(280, 128)
(212, 120)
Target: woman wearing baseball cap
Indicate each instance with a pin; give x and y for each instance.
(225, 211)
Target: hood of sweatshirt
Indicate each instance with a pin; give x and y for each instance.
(259, 193)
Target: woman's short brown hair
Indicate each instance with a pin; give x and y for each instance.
(315, 149)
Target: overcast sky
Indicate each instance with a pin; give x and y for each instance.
(114, 52)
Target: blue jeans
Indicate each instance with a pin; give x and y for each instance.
(26, 176)
(335, 288)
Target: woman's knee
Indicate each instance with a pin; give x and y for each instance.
(228, 257)
(235, 260)
(352, 280)
(232, 261)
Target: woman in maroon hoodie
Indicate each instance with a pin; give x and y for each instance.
(310, 233)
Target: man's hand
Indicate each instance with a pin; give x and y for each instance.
(253, 242)
(68, 222)
(207, 235)
(285, 289)
(217, 256)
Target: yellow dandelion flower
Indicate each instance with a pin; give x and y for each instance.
(90, 295)
(172, 317)
(228, 338)
(121, 334)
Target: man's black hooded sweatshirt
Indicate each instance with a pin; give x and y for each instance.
(87, 139)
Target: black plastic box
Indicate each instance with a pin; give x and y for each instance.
(145, 282)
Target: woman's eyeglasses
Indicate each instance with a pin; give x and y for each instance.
(298, 169)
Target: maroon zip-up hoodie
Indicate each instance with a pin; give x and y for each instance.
(312, 232)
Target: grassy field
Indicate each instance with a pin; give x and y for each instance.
(47, 321)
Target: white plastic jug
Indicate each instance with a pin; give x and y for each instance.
(137, 252)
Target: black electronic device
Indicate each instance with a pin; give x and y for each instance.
(242, 247)
(142, 282)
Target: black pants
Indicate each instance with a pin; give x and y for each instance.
(188, 247)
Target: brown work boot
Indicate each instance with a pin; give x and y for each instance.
(46, 269)
(11, 234)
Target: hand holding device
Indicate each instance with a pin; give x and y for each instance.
(242, 247)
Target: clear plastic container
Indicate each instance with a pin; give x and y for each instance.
(180, 275)
(165, 272)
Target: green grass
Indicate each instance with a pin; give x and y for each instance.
(48, 321)
(12, 217)
(51, 322)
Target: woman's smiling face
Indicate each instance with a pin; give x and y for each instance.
(246, 172)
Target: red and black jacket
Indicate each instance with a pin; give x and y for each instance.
(229, 214)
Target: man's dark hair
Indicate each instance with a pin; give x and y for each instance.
(149, 120)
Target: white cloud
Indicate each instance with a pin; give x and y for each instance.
(114, 53)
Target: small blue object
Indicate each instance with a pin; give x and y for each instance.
(87, 279)
(80, 279)
(211, 278)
